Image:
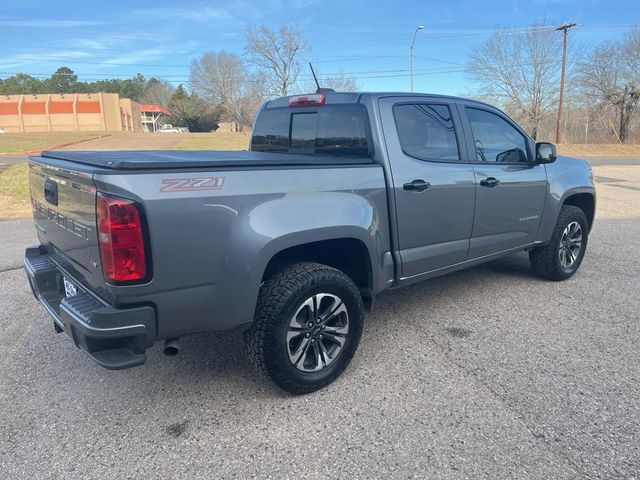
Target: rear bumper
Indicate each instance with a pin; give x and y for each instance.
(115, 338)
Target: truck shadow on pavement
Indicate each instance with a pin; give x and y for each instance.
(219, 360)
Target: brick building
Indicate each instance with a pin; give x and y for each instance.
(72, 112)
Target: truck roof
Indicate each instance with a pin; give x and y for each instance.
(355, 97)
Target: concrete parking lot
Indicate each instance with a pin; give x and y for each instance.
(485, 373)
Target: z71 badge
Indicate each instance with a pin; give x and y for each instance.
(191, 184)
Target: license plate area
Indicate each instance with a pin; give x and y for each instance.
(70, 290)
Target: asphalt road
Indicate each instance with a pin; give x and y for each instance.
(592, 160)
(597, 161)
(485, 373)
(12, 159)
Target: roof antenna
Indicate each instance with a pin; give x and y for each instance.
(320, 89)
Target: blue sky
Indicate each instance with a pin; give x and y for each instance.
(367, 39)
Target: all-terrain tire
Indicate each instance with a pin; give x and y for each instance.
(546, 260)
(280, 297)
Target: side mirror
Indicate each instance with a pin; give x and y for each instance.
(545, 152)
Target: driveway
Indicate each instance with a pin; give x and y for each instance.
(485, 373)
(12, 159)
(596, 161)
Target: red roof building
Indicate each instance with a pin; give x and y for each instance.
(151, 114)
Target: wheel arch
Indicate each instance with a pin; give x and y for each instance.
(585, 201)
(347, 254)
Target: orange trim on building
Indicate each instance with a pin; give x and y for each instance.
(61, 107)
(85, 112)
(88, 107)
(8, 108)
(154, 109)
(33, 108)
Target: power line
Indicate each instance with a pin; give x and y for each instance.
(303, 75)
(431, 34)
(187, 81)
(184, 79)
(455, 67)
(54, 59)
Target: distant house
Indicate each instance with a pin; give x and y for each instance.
(150, 115)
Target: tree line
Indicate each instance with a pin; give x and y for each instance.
(223, 86)
(518, 70)
(187, 108)
(521, 72)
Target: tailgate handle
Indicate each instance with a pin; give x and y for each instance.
(51, 192)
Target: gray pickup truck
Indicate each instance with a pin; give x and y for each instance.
(340, 197)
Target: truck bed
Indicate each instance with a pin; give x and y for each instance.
(176, 159)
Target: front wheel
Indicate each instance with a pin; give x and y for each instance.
(307, 326)
(561, 257)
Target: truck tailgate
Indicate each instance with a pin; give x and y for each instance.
(64, 211)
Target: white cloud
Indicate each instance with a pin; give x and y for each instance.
(196, 14)
(35, 23)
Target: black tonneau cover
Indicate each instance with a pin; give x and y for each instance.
(155, 159)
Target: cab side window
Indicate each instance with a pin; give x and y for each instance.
(426, 132)
(496, 140)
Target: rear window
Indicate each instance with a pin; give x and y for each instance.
(340, 130)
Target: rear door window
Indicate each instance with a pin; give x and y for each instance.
(427, 132)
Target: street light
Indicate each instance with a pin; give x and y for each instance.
(420, 27)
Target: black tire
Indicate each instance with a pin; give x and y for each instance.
(283, 295)
(546, 261)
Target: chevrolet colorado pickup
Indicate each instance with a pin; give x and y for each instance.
(341, 196)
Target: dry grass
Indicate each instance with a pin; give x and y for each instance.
(14, 192)
(598, 150)
(215, 141)
(22, 142)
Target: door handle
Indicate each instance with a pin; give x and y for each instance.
(489, 182)
(416, 186)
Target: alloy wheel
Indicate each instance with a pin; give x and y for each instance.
(570, 244)
(317, 332)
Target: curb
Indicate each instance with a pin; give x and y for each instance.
(54, 147)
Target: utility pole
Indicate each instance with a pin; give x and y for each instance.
(420, 27)
(564, 28)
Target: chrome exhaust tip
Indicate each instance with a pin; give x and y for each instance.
(171, 347)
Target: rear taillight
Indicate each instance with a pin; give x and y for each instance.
(307, 100)
(121, 239)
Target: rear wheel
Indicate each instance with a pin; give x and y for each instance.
(562, 256)
(307, 326)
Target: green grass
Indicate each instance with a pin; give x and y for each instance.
(14, 191)
(215, 141)
(22, 142)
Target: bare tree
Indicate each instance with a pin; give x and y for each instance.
(277, 54)
(223, 80)
(632, 50)
(158, 92)
(520, 70)
(611, 77)
(340, 82)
